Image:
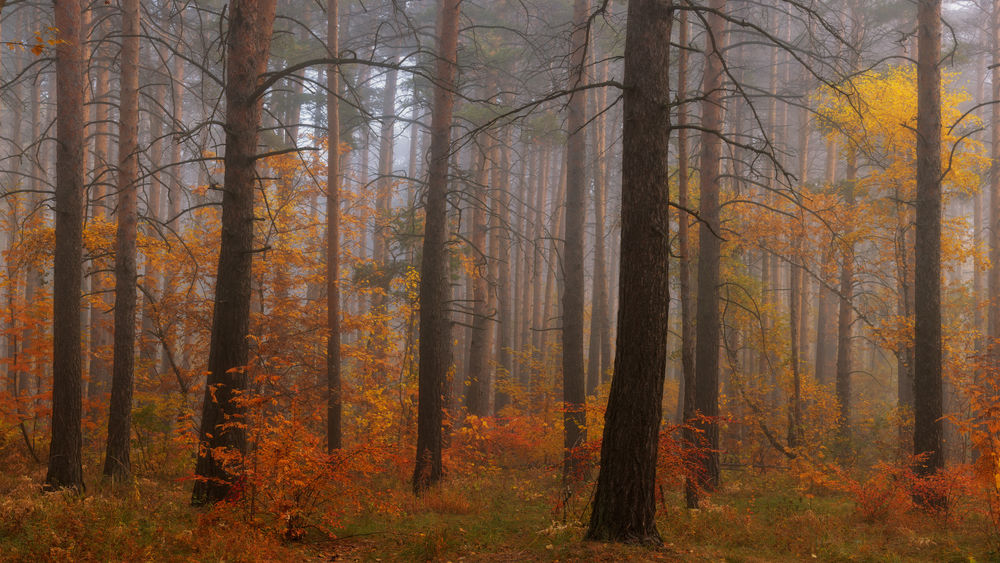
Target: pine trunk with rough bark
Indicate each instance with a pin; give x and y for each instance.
(117, 461)
(65, 468)
(435, 330)
(248, 44)
(573, 367)
(624, 507)
(927, 380)
(709, 251)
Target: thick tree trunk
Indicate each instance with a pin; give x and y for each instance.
(928, 407)
(573, 367)
(65, 466)
(709, 251)
(435, 348)
(624, 507)
(117, 462)
(249, 40)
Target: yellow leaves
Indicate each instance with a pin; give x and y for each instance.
(877, 111)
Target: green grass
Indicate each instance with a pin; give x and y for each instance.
(505, 516)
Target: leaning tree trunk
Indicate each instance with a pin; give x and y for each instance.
(435, 348)
(249, 40)
(709, 248)
(117, 464)
(65, 465)
(928, 407)
(624, 506)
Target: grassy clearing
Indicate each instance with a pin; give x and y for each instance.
(499, 516)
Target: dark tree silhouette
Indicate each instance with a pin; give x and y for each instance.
(624, 507)
(249, 40)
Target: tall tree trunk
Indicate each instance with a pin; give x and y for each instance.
(527, 256)
(927, 381)
(65, 465)
(477, 379)
(600, 343)
(117, 462)
(435, 349)
(334, 438)
(844, 316)
(552, 302)
(687, 395)
(709, 251)
(537, 269)
(502, 264)
(99, 336)
(624, 507)
(827, 299)
(797, 301)
(248, 43)
(994, 218)
(573, 368)
(383, 201)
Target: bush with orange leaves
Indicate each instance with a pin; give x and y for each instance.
(288, 481)
(983, 428)
(517, 440)
(891, 488)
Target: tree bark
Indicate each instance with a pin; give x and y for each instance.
(844, 315)
(502, 264)
(435, 348)
(117, 462)
(928, 407)
(334, 432)
(248, 43)
(383, 202)
(573, 367)
(994, 218)
(687, 395)
(598, 360)
(477, 379)
(709, 251)
(624, 507)
(65, 468)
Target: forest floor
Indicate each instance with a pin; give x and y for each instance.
(497, 515)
